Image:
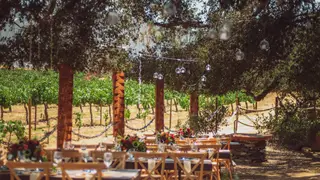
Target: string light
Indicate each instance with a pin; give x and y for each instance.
(208, 67)
(155, 75)
(160, 76)
(203, 78)
(264, 45)
(183, 70)
(239, 55)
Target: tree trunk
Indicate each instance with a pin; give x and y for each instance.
(46, 115)
(152, 109)
(10, 108)
(194, 104)
(26, 109)
(246, 105)
(176, 105)
(100, 114)
(81, 108)
(110, 115)
(1, 113)
(35, 117)
(232, 108)
(138, 107)
(91, 116)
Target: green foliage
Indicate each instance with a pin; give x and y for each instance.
(207, 119)
(11, 129)
(295, 127)
(78, 120)
(127, 113)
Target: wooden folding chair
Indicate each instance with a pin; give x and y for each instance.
(139, 163)
(119, 158)
(196, 171)
(150, 141)
(81, 166)
(214, 156)
(74, 155)
(184, 147)
(46, 166)
(225, 154)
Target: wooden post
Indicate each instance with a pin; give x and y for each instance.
(237, 114)
(64, 126)
(159, 105)
(194, 104)
(170, 120)
(35, 117)
(29, 108)
(118, 103)
(217, 123)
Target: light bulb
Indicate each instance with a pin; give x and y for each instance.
(264, 45)
(208, 67)
(113, 18)
(160, 76)
(178, 70)
(155, 75)
(203, 78)
(183, 70)
(239, 55)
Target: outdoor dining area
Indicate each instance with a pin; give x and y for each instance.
(151, 156)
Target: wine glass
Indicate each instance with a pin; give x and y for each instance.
(57, 156)
(101, 146)
(107, 159)
(66, 145)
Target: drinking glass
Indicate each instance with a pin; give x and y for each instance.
(107, 159)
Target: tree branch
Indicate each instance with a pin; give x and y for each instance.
(184, 24)
(265, 92)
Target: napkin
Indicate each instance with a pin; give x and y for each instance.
(151, 164)
(34, 175)
(187, 165)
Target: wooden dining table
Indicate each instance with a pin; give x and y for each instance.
(125, 174)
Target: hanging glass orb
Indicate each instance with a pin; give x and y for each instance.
(160, 76)
(178, 70)
(225, 31)
(203, 78)
(182, 70)
(169, 9)
(208, 67)
(308, 25)
(211, 34)
(113, 18)
(239, 55)
(264, 45)
(155, 75)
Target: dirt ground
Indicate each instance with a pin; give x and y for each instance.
(281, 164)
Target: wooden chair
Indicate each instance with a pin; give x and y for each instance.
(184, 147)
(80, 166)
(154, 173)
(207, 141)
(225, 154)
(74, 155)
(214, 158)
(88, 146)
(150, 141)
(119, 158)
(196, 171)
(46, 166)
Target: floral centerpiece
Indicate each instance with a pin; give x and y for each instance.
(165, 137)
(185, 132)
(133, 143)
(28, 149)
